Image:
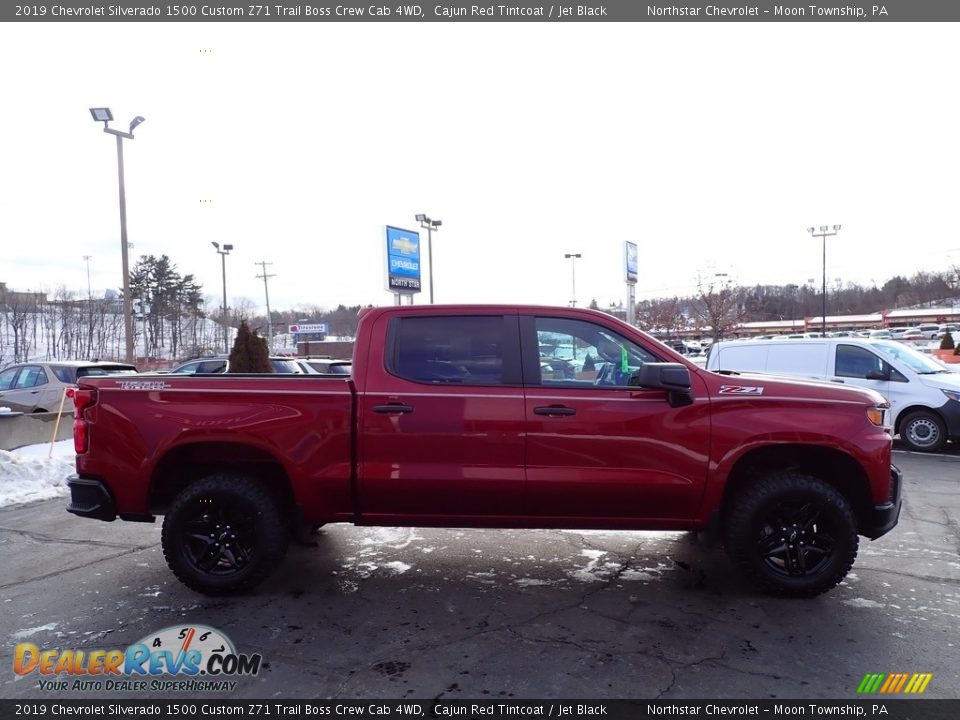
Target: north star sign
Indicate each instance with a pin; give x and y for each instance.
(403, 261)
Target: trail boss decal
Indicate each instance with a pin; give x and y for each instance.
(143, 384)
(740, 390)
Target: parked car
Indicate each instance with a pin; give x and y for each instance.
(911, 334)
(328, 366)
(221, 364)
(879, 335)
(39, 386)
(924, 397)
(929, 330)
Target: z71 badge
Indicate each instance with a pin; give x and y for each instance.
(741, 390)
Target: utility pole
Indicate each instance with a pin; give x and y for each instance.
(263, 265)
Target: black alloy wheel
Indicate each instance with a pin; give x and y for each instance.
(223, 535)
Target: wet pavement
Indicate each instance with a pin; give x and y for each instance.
(434, 613)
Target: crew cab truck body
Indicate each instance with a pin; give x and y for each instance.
(453, 417)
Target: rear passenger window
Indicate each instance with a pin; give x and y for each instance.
(31, 377)
(449, 349)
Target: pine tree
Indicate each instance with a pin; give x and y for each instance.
(249, 353)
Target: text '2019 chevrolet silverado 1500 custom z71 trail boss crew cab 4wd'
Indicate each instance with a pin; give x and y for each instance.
(456, 416)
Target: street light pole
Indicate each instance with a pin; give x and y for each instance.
(573, 269)
(824, 233)
(105, 116)
(429, 225)
(223, 257)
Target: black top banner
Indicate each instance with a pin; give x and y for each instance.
(496, 11)
(486, 709)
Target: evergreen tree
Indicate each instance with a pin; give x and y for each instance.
(249, 353)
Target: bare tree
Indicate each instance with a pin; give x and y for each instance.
(719, 305)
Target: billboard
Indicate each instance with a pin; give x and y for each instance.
(630, 257)
(403, 261)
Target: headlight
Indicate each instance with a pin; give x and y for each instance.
(875, 415)
(951, 394)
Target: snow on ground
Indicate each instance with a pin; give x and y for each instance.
(28, 474)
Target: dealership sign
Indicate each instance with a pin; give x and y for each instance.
(631, 262)
(403, 261)
(305, 329)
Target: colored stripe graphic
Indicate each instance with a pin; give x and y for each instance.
(894, 683)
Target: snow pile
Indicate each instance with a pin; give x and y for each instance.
(27, 474)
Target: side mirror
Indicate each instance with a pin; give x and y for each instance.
(672, 377)
(877, 375)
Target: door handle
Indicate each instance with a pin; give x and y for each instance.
(392, 408)
(553, 410)
(837, 380)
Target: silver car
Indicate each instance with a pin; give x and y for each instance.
(39, 386)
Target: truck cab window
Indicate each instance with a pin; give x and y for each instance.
(449, 349)
(576, 353)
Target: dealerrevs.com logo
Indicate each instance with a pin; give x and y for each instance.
(178, 658)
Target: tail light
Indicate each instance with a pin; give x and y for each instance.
(83, 398)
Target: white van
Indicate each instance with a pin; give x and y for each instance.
(924, 397)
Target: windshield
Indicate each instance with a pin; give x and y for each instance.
(285, 366)
(106, 370)
(916, 361)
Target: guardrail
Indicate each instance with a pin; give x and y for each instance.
(18, 429)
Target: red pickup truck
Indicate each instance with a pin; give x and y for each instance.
(494, 417)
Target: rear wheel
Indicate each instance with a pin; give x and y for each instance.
(223, 535)
(923, 431)
(792, 534)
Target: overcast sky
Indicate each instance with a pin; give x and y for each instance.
(711, 146)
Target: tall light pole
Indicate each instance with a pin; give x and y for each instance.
(572, 257)
(429, 225)
(824, 233)
(105, 116)
(223, 257)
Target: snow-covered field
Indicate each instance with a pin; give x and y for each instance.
(29, 473)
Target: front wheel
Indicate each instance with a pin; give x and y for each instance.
(223, 535)
(923, 431)
(792, 534)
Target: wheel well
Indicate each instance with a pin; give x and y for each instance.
(832, 466)
(189, 463)
(913, 408)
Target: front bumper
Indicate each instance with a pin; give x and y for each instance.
(882, 518)
(90, 499)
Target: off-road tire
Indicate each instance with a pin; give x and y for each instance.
(923, 431)
(791, 534)
(223, 535)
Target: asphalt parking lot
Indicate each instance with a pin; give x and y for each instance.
(458, 614)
